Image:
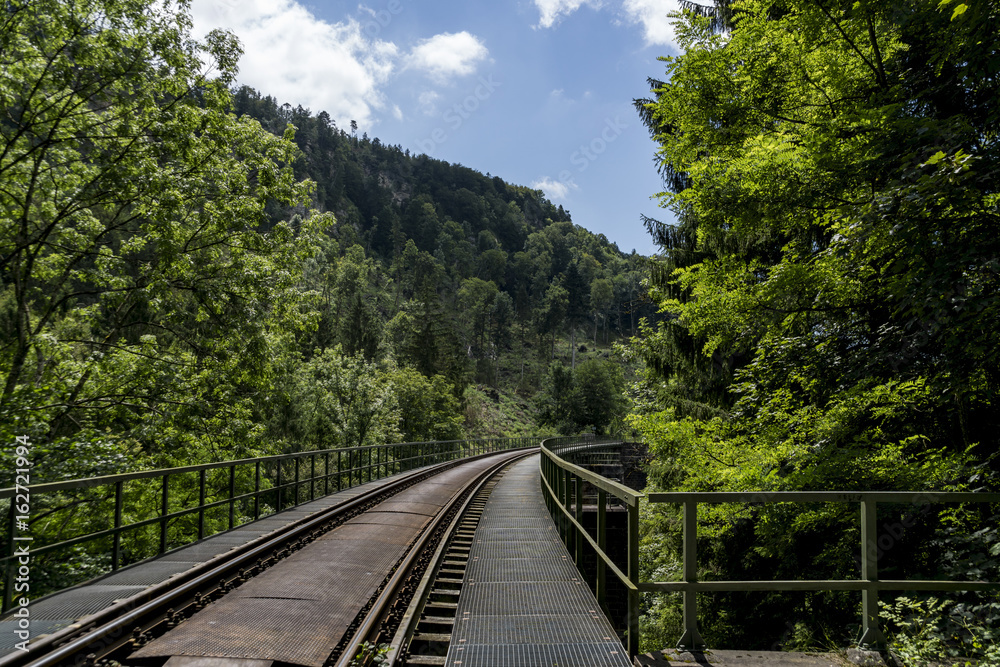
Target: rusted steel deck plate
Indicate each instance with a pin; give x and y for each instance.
(252, 627)
(298, 610)
(146, 574)
(66, 607)
(391, 518)
(295, 612)
(9, 639)
(79, 602)
(198, 553)
(523, 602)
(401, 507)
(376, 533)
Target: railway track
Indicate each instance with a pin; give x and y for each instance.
(317, 593)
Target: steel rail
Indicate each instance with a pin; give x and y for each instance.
(368, 629)
(103, 633)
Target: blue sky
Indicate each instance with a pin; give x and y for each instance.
(538, 92)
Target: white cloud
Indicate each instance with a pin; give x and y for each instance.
(427, 102)
(552, 11)
(448, 55)
(298, 58)
(554, 189)
(652, 14)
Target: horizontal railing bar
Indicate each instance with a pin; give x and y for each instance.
(814, 585)
(90, 482)
(156, 520)
(618, 490)
(909, 497)
(600, 552)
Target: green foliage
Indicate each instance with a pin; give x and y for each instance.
(165, 296)
(340, 400)
(588, 397)
(428, 407)
(830, 288)
(370, 654)
(175, 289)
(143, 288)
(920, 634)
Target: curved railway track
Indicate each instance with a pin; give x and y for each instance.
(315, 593)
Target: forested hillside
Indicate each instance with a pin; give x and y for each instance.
(833, 300)
(485, 287)
(191, 272)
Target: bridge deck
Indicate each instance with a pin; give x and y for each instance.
(299, 610)
(64, 608)
(522, 601)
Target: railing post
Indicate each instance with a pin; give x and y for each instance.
(232, 496)
(164, 509)
(201, 503)
(116, 548)
(564, 500)
(326, 473)
(256, 491)
(691, 639)
(633, 577)
(10, 566)
(295, 487)
(277, 507)
(339, 469)
(872, 637)
(579, 519)
(602, 542)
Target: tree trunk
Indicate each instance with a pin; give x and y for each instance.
(572, 345)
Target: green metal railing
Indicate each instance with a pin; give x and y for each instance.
(564, 483)
(563, 487)
(192, 502)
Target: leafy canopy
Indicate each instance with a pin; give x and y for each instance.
(142, 290)
(831, 289)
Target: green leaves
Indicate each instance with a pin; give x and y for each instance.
(132, 237)
(832, 276)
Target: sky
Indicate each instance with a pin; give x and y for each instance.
(537, 92)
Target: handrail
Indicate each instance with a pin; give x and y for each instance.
(255, 487)
(563, 482)
(87, 482)
(560, 476)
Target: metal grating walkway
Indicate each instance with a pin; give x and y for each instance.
(523, 603)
